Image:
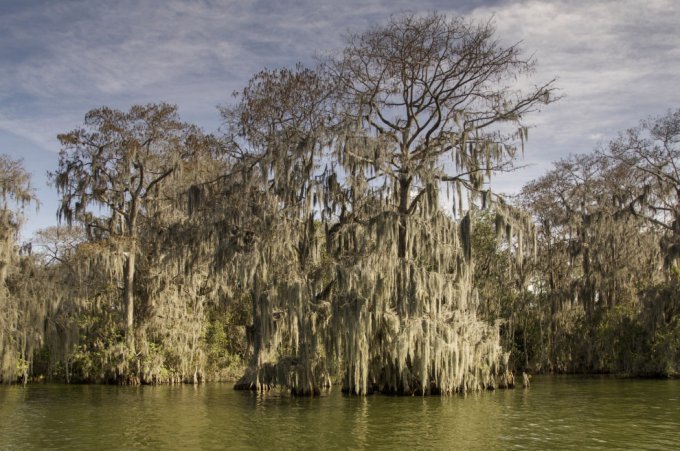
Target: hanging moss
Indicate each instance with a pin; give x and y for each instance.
(384, 296)
(21, 310)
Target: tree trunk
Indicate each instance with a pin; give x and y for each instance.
(129, 298)
(129, 283)
(526, 351)
(404, 187)
(402, 246)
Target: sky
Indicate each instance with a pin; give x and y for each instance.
(616, 62)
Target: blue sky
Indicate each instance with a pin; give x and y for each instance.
(616, 61)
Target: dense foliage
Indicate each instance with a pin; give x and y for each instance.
(309, 244)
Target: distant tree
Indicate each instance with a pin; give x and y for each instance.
(652, 152)
(57, 245)
(594, 256)
(110, 174)
(15, 194)
(500, 278)
(20, 316)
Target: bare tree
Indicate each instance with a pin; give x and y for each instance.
(652, 152)
(57, 245)
(433, 87)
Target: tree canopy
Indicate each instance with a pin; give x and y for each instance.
(312, 241)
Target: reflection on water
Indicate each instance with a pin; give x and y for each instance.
(557, 412)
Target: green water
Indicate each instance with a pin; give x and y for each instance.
(556, 412)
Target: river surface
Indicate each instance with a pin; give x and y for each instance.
(556, 412)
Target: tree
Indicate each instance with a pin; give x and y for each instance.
(57, 245)
(428, 105)
(109, 176)
(20, 315)
(429, 88)
(652, 152)
(391, 290)
(500, 278)
(594, 258)
(280, 132)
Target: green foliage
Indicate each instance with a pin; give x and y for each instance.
(224, 363)
(665, 353)
(606, 273)
(225, 340)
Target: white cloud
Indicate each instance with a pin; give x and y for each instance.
(616, 62)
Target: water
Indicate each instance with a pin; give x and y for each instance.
(556, 412)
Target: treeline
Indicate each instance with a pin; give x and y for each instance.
(308, 243)
(600, 295)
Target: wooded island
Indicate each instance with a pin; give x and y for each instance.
(342, 228)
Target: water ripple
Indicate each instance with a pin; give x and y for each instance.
(557, 412)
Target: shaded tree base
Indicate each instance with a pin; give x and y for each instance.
(267, 381)
(504, 381)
